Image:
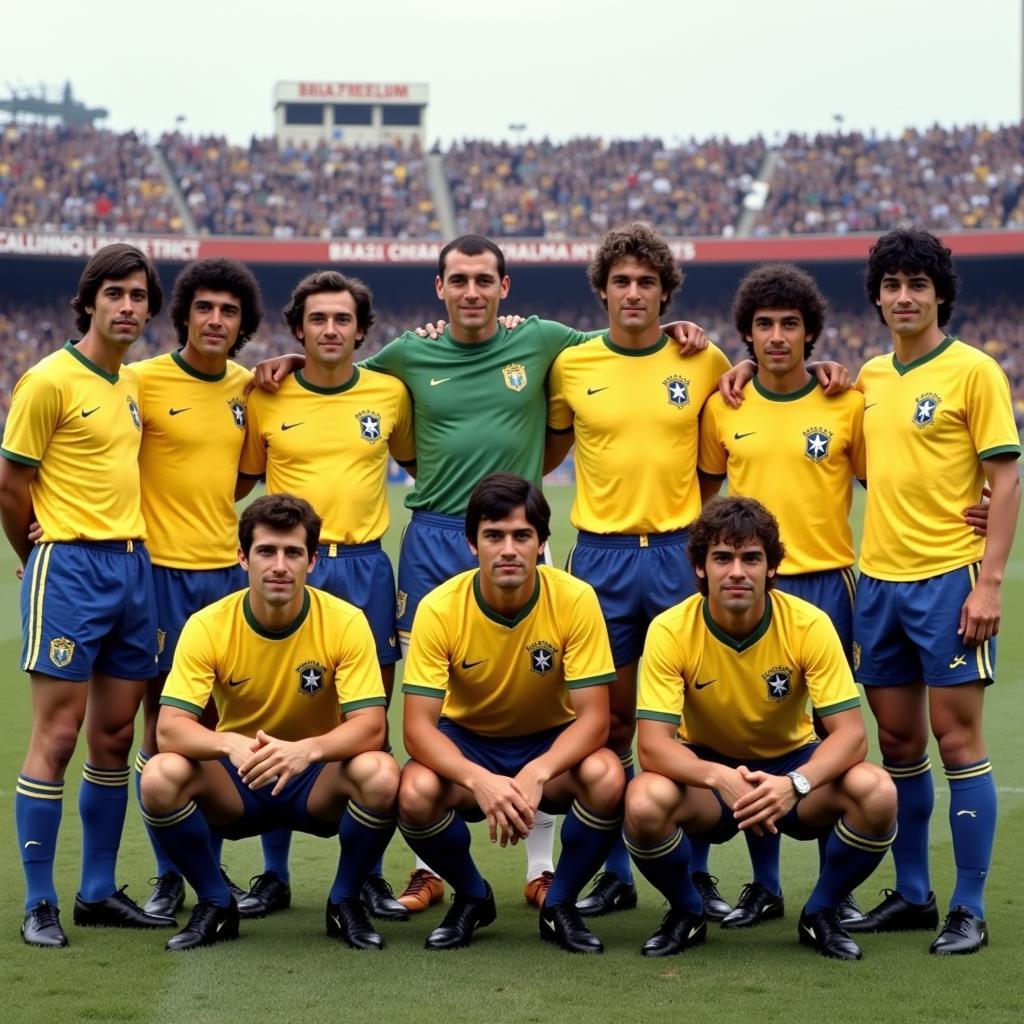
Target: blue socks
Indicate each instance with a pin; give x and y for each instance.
(37, 812)
(972, 820)
(915, 792)
(445, 843)
(164, 865)
(276, 847)
(364, 835)
(764, 853)
(185, 838)
(667, 867)
(617, 860)
(102, 803)
(586, 840)
(850, 857)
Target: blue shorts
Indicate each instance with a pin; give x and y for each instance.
(790, 824)
(833, 592)
(905, 632)
(87, 606)
(636, 576)
(502, 755)
(434, 549)
(181, 593)
(262, 812)
(361, 574)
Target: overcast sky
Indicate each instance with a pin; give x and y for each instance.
(672, 68)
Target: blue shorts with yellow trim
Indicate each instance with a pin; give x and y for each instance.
(636, 576)
(87, 606)
(181, 593)
(790, 824)
(906, 632)
(362, 575)
(833, 592)
(262, 812)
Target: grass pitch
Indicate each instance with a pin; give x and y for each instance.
(285, 969)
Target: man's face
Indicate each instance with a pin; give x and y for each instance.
(508, 550)
(633, 293)
(121, 309)
(329, 331)
(277, 564)
(214, 320)
(736, 575)
(472, 291)
(908, 302)
(778, 337)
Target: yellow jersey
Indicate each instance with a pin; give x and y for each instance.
(635, 419)
(928, 427)
(292, 684)
(744, 698)
(193, 426)
(330, 446)
(81, 427)
(508, 677)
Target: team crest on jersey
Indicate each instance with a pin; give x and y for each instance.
(515, 376)
(924, 410)
(61, 651)
(856, 656)
(678, 391)
(778, 679)
(369, 426)
(816, 443)
(161, 640)
(401, 600)
(237, 407)
(133, 408)
(542, 657)
(311, 677)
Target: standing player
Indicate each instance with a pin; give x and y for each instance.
(734, 667)
(326, 435)
(70, 462)
(300, 724)
(631, 407)
(513, 659)
(938, 423)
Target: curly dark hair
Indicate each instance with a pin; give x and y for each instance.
(913, 250)
(638, 241)
(217, 274)
(734, 521)
(779, 286)
(279, 512)
(499, 494)
(330, 281)
(114, 263)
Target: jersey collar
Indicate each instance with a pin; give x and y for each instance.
(272, 634)
(348, 385)
(791, 396)
(500, 619)
(210, 378)
(902, 368)
(72, 347)
(748, 641)
(634, 352)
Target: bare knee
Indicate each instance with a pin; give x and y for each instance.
(961, 744)
(649, 801)
(110, 743)
(603, 781)
(872, 795)
(165, 781)
(420, 793)
(375, 776)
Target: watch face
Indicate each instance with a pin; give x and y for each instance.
(800, 783)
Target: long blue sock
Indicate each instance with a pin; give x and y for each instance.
(618, 860)
(217, 846)
(164, 865)
(666, 866)
(102, 803)
(700, 854)
(37, 811)
(850, 857)
(364, 835)
(586, 840)
(276, 847)
(445, 843)
(972, 818)
(764, 853)
(185, 838)
(915, 793)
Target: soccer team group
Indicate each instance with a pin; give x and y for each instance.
(262, 648)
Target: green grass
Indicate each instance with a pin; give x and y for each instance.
(284, 969)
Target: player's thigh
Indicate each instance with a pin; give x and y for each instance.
(864, 794)
(423, 795)
(657, 803)
(370, 778)
(902, 717)
(598, 782)
(217, 795)
(956, 720)
(622, 701)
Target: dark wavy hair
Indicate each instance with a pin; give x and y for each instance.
(638, 241)
(913, 250)
(779, 286)
(218, 275)
(330, 281)
(281, 513)
(114, 263)
(498, 495)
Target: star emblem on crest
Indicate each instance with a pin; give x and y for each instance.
(778, 680)
(542, 657)
(311, 678)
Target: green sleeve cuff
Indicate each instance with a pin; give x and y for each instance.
(834, 709)
(988, 453)
(183, 705)
(422, 691)
(365, 702)
(660, 716)
(24, 460)
(580, 684)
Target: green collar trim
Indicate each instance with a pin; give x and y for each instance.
(276, 634)
(791, 396)
(210, 378)
(748, 641)
(110, 378)
(347, 386)
(635, 352)
(902, 368)
(496, 616)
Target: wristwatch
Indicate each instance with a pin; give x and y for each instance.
(800, 784)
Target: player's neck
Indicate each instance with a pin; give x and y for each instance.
(276, 617)
(911, 347)
(738, 625)
(648, 337)
(471, 335)
(208, 365)
(101, 352)
(507, 603)
(783, 383)
(328, 377)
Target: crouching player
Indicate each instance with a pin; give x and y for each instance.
(294, 675)
(506, 710)
(735, 665)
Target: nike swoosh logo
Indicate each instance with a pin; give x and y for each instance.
(288, 426)
(238, 682)
(871, 406)
(175, 412)
(594, 391)
(550, 923)
(810, 932)
(434, 381)
(694, 931)
(750, 433)
(337, 922)
(472, 664)
(32, 842)
(88, 412)
(700, 686)
(220, 924)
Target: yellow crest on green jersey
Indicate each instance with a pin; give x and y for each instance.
(61, 651)
(515, 376)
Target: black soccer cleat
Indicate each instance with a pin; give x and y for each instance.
(168, 895)
(679, 930)
(715, 906)
(895, 914)
(379, 899)
(466, 914)
(823, 932)
(608, 896)
(563, 925)
(756, 904)
(347, 920)
(962, 933)
(41, 927)
(237, 892)
(848, 910)
(267, 895)
(118, 911)
(208, 925)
